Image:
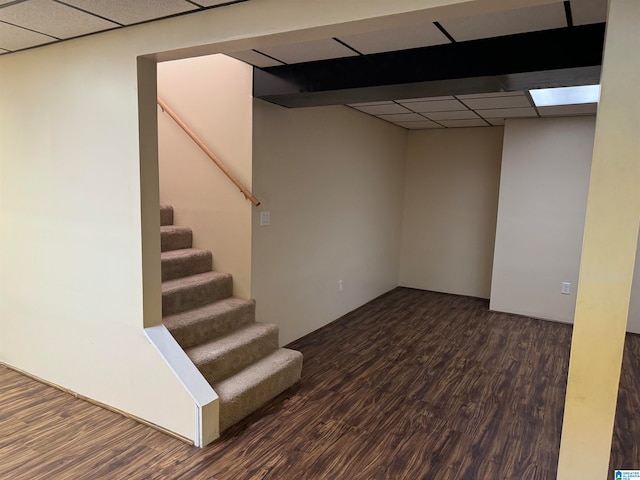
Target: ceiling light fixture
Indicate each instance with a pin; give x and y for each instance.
(548, 97)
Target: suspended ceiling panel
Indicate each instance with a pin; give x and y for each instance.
(16, 38)
(585, 12)
(568, 110)
(415, 36)
(126, 12)
(255, 58)
(433, 105)
(384, 108)
(531, 19)
(32, 23)
(210, 3)
(475, 110)
(309, 51)
(497, 102)
(478, 122)
(53, 19)
(453, 115)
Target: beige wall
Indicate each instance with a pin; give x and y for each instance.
(78, 193)
(450, 205)
(543, 192)
(332, 179)
(212, 95)
(72, 164)
(72, 310)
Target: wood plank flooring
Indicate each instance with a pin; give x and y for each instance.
(413, 385)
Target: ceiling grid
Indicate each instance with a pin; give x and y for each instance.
(28, 24)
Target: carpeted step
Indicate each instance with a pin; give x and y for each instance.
(194, 291)
(244, 392)
(166, 215)
(185, 262)
(224, 356)
(174, 238)
(210, 321)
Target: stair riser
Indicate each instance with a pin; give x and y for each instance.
(232, 412)
(166, 215)
(239, 358)
(215, 326)
(196, 295)
(185, 266)
(175, 240)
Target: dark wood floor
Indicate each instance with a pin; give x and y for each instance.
(414, 385)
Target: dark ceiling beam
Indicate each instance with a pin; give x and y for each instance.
(549, 58)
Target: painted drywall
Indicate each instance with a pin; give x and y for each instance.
(71, 232)
(332, 180)
(450, 208)
(212, 95)
(78, 192)
(543, 194)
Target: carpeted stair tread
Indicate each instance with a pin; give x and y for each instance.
(173, 237)
(210, 321)
(224, 356)
(185, 262)
(244, 392)
(166, 215)
(194, 291)
(239, 357)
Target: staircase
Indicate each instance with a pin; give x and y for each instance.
(238, 356)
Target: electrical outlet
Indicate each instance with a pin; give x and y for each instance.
(340, 286)
(566, 288)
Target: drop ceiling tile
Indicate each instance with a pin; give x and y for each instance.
(488, 95)
(568, 110)
(585, 12)
(366, 104)
(4, 2)
(383, 109)
(508, 112)
(255, 58)
(472, 122)
(436, 106)
(16, 38)
(426, 99)
(416, 36)
(497, 102)
(127, 12)
(210, 3)
(402, 117)
(496, 121)
(309, 51)
(51, 18)
(458, 115)
(530, 19)
(419, 125)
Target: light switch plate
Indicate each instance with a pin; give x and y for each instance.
(265, 219)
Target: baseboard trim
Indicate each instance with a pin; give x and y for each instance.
(100, 404)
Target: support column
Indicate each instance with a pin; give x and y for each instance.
(608, 255)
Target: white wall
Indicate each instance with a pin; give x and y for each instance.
(450, 208)
(332, 179)
(213, 96)
(543, 191)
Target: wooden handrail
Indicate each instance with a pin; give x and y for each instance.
(245, 191)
